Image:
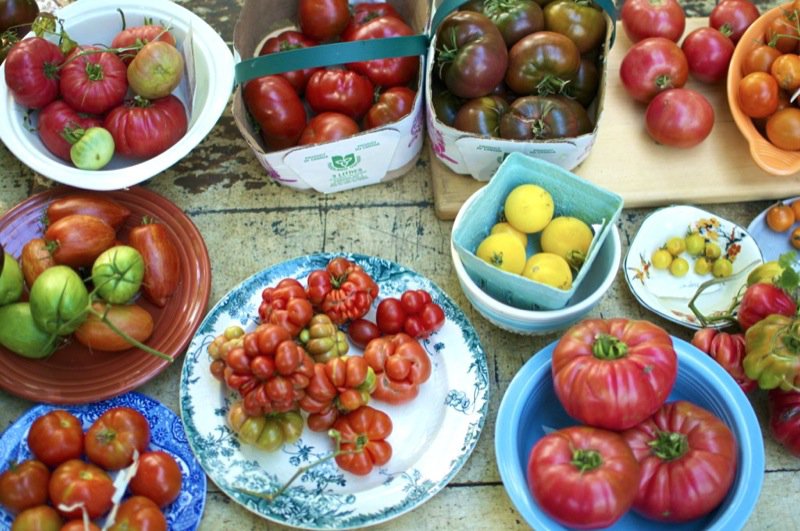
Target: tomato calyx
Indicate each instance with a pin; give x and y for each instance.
(669, 446)
(664, 82)
(586, 460)
(608, 347)
(551, 84)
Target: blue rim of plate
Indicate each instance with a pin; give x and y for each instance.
(531, 374)
(321, 507)
(664, 314)
(166, 433)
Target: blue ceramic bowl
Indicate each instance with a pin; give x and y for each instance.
(530, 406)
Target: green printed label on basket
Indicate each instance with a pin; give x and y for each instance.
(345, 164)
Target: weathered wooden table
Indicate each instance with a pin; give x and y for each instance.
(250, 223)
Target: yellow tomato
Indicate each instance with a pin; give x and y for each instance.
(550, 269)
(503, 251)
(529, 208)
(506, 227)
(569, 238)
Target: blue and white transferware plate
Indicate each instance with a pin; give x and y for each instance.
(432, 438)
(772, 244)
(667, 295)
(166, 433)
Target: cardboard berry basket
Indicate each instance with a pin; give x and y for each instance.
(369, 157)
(480, 156)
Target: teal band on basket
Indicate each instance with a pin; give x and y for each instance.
(331, 54)
(448, 6)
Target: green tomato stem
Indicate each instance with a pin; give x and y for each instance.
(608, 347)
(669, 445)
(728, 315)
(586, 460)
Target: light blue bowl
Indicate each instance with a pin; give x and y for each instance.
(530, 406)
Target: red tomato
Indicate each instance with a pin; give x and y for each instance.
(390, 72)
(41, 518)
(291, 40)
(138, 513)
(390, 316)
(365, 12)
(157, 478)
(24, 485)
(726, 349)
(784, 419)
(401, 365)
(79, 239)
(278, 110)
(361, 332)
(583, 477)
(760, 59)
(613, 373)
(78, 525)
(75, 482)
(327, 127)
(145, 128)
(112, 438)
(392, 105)
(783, 129)
(138, 35)
(758, 94)
(679, 117)
(93, 81)
(733, 17)
(708, 53)
(57, 125)
(367, 428)
(55, 437)
(652, 18)
(782, 32)
(322, 20)
(651, 66)
(762, 299)
(341, 91)
(91, 204)
(162, 265)
(688, 460)
(31, 72)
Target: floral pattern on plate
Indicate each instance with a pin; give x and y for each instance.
(433, 435)
(166, 433)
(667, 295)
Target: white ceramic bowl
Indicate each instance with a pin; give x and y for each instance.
(529, 322)
(98, 21)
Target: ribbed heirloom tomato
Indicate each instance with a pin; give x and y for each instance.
(613, 373)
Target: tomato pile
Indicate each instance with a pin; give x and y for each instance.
(769, 83)
(781, 217)
(94, 101)
(668, 461)
(655, 69)
(701, 244)
(563, 241)
(296, 368)
(343, 100)
(81, 240)
(765, 353)
(519, 71)
(75, 488)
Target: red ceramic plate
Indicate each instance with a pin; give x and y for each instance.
(74, 374)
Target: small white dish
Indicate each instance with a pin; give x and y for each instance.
(668, 295)
(772, 244)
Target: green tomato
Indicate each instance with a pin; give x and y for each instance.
(20, 334)
(117, 274)
(11, 281)
(59, 300)
(93, 150)
(695, 244)
(722, 268)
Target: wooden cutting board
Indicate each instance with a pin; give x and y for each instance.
(627, 161)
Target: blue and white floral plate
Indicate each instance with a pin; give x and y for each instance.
(166, 433)
(668, 295)
(432, 438)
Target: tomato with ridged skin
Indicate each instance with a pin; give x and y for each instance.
(32, 72)
(93, 81)
(58, 127)
(784, 419)
(145, 128)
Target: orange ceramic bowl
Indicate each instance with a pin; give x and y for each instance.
(770, 158)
